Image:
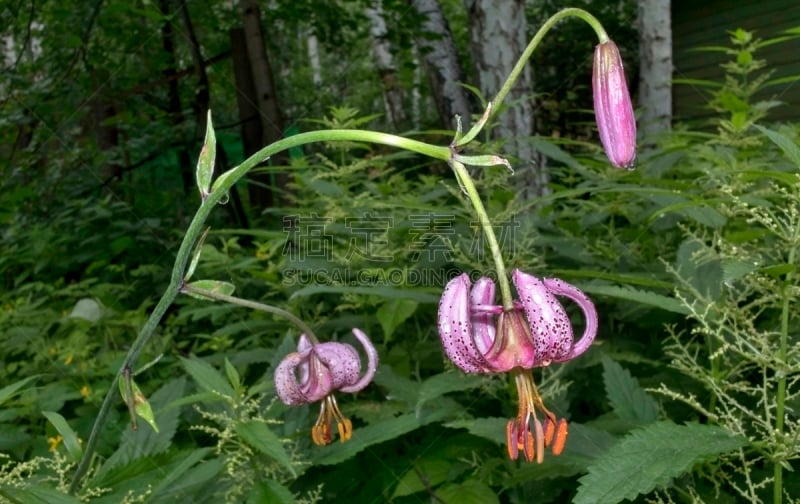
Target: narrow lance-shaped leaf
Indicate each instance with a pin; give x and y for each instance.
(215, 286)
(71, 441)
(205, 163)
(137, 402)
(789, 148)
(198, 248)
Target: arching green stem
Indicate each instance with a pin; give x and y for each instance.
(219, 189)
(495, 104)
(465, 180)
(304, 328)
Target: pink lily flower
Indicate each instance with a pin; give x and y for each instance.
(479, 336)
(315, 371)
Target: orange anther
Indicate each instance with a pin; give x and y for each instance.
(560, 437)
(511, 440)
(529, 451)
(549, 431)
(345, 430)
(537, 426)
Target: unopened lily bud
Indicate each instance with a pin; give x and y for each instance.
(612, 106)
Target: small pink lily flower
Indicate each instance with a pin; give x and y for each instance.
(612, 106)
(315, 371)
(479, 336)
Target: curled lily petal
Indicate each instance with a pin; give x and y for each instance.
(455, 327)
(372, 363)
(481, 299)
(286, 385)
(341, 362)
(562, 288)
(303, 344)
(551, 330)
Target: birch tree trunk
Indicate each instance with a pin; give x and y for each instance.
(498, 36)
(655, 67)
(445, 73)
(312, 46)
(392, 92)
(269, 114)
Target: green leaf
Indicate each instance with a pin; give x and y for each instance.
(432, 471)
(378, 432)
(177, 473)
(623, 278)
(140, 443)
(789, 148)
(470, 492)
(71, 442)
(436, 386)
(36, 495)
(215, 286)
(776, 270)
(379, 291)
(207, 377)
(205, 163)
(651, 457)
(697, 211)
(137, 400)
(9, 390)
(257, 435)
(626, 396)
(786, 178)
(396, 386)
(233, 375)
(638, 296)
(733, 270)
(198, 249)
(393, 313)
(493, 429)
(270, 491)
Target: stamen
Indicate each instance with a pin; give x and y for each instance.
(561, 437)
(529, 451)
(322, 433)
(537, 425)
(550, 432)
(512, 444)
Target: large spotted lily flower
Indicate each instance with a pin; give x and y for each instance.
(479, 336)
(315, 371)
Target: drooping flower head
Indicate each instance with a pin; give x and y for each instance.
(315, 371)
(479, 336)
(612, 106)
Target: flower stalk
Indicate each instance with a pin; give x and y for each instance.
(218, 191)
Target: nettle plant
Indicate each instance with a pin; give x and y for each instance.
(699, 246)
(735, 273)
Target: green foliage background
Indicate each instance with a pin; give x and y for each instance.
(689, 395)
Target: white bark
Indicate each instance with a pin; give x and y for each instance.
(392, 93)
(416, 96)
(655, 67)
(498, 36)
(441, 63)
(314, 59)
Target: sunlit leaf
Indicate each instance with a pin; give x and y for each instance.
(393, 313)
(71, 441)
(205, 163)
